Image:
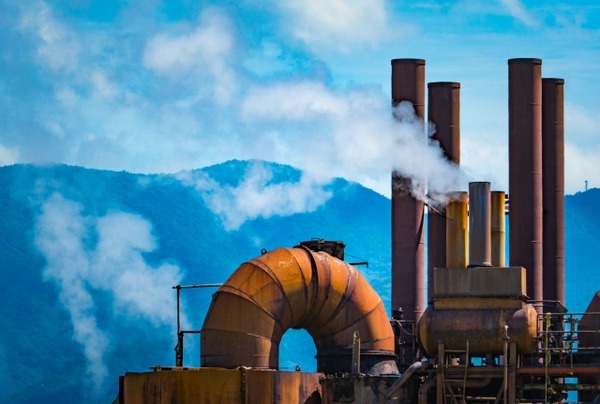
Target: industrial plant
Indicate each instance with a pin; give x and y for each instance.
(471, 326)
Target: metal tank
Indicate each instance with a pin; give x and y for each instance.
(477, 310)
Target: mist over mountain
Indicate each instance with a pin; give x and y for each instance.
(89, 259)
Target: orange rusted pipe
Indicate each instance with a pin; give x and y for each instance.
(295, 288)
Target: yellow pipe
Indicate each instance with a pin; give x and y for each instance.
(457, 224)
(498, 229)
(292, 288)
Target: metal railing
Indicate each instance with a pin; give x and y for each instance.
(181, 333)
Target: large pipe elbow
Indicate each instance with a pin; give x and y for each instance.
(294, 288)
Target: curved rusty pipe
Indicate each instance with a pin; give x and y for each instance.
(295, 288)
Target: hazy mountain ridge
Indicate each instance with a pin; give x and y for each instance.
(173, 230)
(46, 362)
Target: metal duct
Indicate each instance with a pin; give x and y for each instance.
(444, 113)
(408, 249)
(480, 224)
(301, 289)
(553, 165)
(457, 224)
(525, 170)
(498, 229)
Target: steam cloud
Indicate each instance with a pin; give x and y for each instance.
(86, 254)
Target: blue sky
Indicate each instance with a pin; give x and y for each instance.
(162, 86)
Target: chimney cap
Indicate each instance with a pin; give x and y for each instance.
(553, 80)
(534, 61)
(408, 61)
(452, 84)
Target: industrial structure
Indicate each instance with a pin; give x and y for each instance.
(466, 328)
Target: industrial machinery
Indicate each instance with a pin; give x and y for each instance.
(488, 332)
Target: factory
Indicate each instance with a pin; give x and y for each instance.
(471, 326)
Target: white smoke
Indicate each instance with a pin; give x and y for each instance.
(256, 195)
(350, 134)
(85, 254)
(422, 160)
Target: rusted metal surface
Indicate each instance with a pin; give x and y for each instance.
(472, 306)
(553, 164)
(444, 112)
(481, 329)
(480, 282)
(408, 249)
(457, 224)
(498, 229)
(215, 385)
(293, 288)
(525, 170)
(480, 224)
(363, 390)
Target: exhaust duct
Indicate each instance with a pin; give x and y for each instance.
(301, 289)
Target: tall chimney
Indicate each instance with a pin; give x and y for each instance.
(525, 170)
(444, 113)
(480, 224)
(408, 250)
(553, 165)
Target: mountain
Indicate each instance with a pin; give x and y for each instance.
(88, 259)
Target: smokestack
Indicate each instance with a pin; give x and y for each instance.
(553, 165)
(444, 112)
(480, 224)
(525, 170)
(457, 223)
(498, 229)
(408, 250)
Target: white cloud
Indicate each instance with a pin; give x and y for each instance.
(256, 195)
(57, 46)
(516, 9)
(294, 101)
(114, 263)
(341, 25)
(205, 50)
(8, 155)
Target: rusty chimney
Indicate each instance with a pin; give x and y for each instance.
(444, 113)
(480, 224)
(553, 166)
(408, 250)
(525, 170)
